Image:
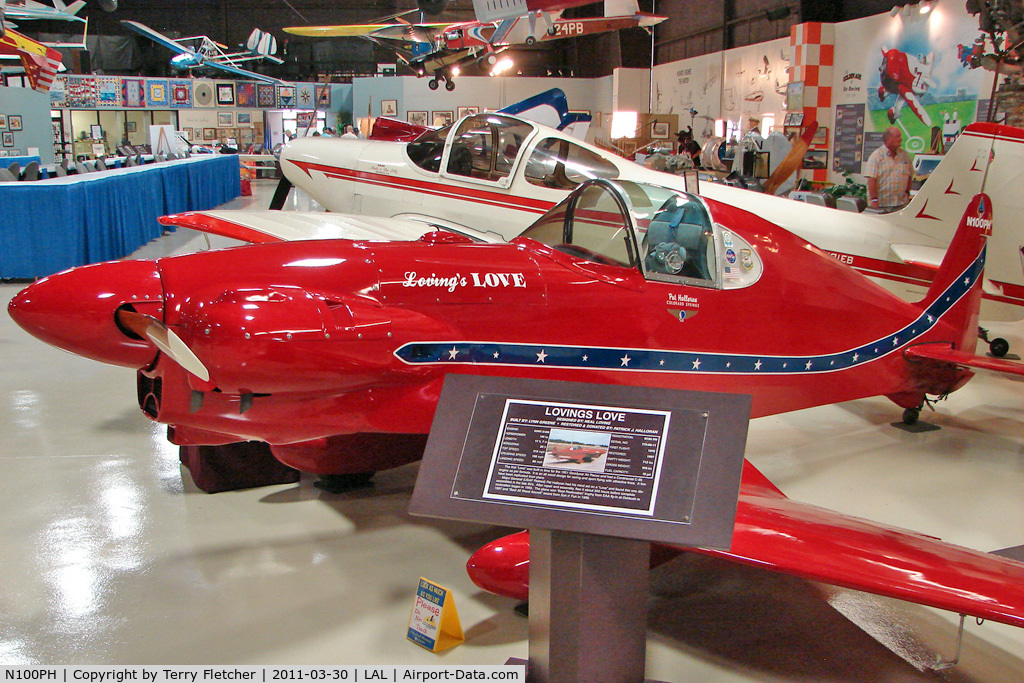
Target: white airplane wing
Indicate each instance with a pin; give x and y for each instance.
(243, 72)
(157, 37)
(285, 226)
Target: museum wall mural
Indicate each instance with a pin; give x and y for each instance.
(918, 72)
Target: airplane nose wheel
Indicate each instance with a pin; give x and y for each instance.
(911, 416)
(449, 85)
(342, 483)
(432, 84)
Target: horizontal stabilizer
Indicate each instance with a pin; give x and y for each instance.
(944, 353)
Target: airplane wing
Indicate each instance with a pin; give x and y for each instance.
(157, 37)
(352, 30)
(969, 361)
(783, 535)
(280, 226)
(243, 72)
(814, 543)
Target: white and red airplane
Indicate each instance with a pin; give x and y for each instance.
(495, 173)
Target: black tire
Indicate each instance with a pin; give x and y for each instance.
(999, 347)
(911, 416)
(449, 85)
(530, 40)
(432, 84)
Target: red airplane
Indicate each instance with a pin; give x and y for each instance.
(565, 452)
(334, 352)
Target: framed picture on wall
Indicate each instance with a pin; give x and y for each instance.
(187, 132)
(3, 152)
(820, 138)
(417, 118)
(209, 133)
(96, 131)
(130, 127)
(3, 121)
(8, 138)
(244, 117)
(466, 111)
(389, 107)
(816, 158)
(14, 122)
(225, 118)
(659, 130)
(226, 94)
(441, 118)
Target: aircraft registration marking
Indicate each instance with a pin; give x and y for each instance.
(460, 352)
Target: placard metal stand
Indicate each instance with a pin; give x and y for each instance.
(596, 472)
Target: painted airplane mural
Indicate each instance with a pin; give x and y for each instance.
(908, 78)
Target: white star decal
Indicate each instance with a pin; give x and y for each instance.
(625, 360)
(855, 357)
(808, 366)
(895, 341)
(729, 364)
(967, 280)
(931, 318)
(757, 365)
(661, 362)
(541, 356)
(495, 354)
(584, 358)
(696, 364)
(454, 352)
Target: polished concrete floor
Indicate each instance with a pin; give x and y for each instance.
(112, 556)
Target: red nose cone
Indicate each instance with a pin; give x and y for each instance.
(502, 567)
(74, 310)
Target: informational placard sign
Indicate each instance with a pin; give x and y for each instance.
(434, 623)
(618, 461)
(582, 456)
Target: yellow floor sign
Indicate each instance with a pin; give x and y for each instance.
(434, 623)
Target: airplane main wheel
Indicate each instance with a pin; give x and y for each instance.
(530, 40)
(999, 347)
(432, 84)
(449, 85)
(911, 416)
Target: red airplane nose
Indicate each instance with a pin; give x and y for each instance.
(75, 310)
(502, 567)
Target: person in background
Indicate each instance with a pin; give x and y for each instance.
(328, 132)
(350, 132)
(889, 172)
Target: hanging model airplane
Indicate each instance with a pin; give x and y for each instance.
(440, 50)
(39, 62)
(519, 169)
(335, 351)
(197, 52)
(27, 10)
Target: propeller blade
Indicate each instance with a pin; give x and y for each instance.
(165, 339)
(792, 161)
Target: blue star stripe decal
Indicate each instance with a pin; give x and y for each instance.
(634, 359)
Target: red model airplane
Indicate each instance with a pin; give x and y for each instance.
(334, 352)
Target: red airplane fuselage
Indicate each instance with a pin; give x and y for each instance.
(309, 340)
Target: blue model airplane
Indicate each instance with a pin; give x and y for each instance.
(201, 51)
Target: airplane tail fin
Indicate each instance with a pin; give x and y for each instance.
(955, 292)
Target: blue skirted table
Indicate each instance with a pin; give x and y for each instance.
(51, 225)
